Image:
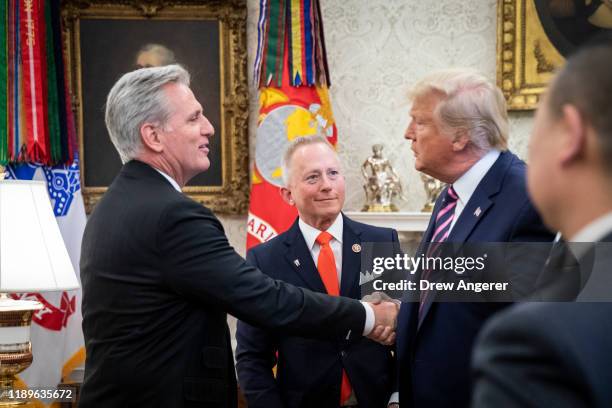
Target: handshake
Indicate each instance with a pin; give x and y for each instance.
(385, 313)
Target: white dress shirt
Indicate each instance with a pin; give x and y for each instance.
(310, 235)
(592, 232)
(468, 182)
(170, 180)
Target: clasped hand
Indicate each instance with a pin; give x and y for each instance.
(385, 312)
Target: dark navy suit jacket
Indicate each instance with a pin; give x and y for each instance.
(309, 371)
(551, 354)
(433, 355)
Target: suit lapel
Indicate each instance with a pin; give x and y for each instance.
(482, 199)
(475, 209)
(413, 313)
(351, 260)
(299, 257)
(473, 212)
(428, 234)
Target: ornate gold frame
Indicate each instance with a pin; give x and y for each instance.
(526, 59)
(232, 196)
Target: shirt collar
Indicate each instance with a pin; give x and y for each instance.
(310, 233)
(467, 183)
(595, 230)
(170, 180)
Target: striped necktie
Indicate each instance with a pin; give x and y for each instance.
(442, 227)
(445, 216)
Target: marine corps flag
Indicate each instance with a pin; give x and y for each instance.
(292, 76)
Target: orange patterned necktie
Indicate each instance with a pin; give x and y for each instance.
(326, 264)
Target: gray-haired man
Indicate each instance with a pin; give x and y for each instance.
(159, 275)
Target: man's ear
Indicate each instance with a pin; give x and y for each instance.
(286, 195)
(461, 138)
(151, 138)
(576, 131)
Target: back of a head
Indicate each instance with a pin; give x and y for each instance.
(586, 83)
(470, 102)
(137, 97)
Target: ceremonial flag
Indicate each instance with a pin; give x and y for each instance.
(35, 115)
(38, 142)
(292, 76)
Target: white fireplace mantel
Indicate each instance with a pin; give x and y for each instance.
(401, 221)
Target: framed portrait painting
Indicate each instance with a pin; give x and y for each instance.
(535, 36)
(106, 39)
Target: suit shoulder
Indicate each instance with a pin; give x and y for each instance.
(516, 175)
(537, 322)
(179, 210)
(271, 243)
(271, 246)
(370, 232)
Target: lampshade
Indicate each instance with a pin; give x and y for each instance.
(33, 257)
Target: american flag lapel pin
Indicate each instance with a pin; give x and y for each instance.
(477, 212)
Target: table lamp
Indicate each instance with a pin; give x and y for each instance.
(33, 258)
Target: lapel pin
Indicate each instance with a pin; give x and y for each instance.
(296, 262)
(477, 212)
(356, 248)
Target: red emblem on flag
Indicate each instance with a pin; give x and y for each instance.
(51, 317)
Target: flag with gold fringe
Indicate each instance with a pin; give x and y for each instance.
(292, 76)
(38, 141)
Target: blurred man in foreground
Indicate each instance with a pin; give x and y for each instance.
(560, 354)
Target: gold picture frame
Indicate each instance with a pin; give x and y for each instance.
(526, 58)
(535, 36)
(98, 37)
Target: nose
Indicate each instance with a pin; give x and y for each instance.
(409, 134)
(326, 184)
(207, 128)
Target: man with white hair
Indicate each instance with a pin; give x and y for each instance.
(459, 133)
(321, 251)
(159, 275)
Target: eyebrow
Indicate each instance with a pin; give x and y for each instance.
(318, 171)
(196, 112)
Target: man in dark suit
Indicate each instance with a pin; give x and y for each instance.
(560, 354)
(459, 133)
(158, 273)
(314, 373)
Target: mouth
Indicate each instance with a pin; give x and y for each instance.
(326, 199)
(205, 147)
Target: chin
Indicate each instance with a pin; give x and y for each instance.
(205, 165)
(330, 213)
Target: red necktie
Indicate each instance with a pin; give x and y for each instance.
(326, 264)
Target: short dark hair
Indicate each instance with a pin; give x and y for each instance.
(586, 83)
